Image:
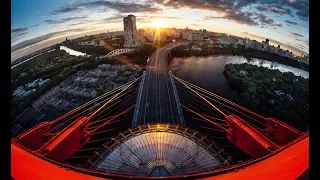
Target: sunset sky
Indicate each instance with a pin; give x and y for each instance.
(39, 23)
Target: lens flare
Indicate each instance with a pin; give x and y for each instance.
(158, 23)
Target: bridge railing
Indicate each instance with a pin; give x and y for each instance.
(177, 100)
(136, 111)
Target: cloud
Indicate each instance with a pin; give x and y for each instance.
(34, 25)
(306, 42)
(102, 5)
(84, 22)
(121, 7)
(32, 41)
(299, 46)
(282, 7)
(65, 10)
(241, 18)
(18, 33)
(219, 5)
(145, 20)
(115, 18)
(301, 7)
(274, 9)
(141, 19)
(278, 24)
(211, 17)
(238, 17)
(18, 36)
(164, 17)
(267, 21)
(232, 9)
(17, 30)
(75, 24)
(295, 34)
(291, 22)
(193, 24)
(64, 20)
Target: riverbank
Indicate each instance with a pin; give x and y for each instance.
(271, 93)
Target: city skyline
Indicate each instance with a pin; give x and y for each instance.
(41, 23)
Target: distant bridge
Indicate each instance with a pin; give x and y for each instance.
(117, 52)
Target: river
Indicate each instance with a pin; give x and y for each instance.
(73, 52)
(207, 72)
(68, 50)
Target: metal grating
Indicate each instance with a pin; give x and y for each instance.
(159, 150)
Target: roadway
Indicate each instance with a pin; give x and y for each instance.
(158, 104)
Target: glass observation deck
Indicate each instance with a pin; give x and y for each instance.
(158, 150)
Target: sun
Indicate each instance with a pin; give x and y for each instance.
(158, 23)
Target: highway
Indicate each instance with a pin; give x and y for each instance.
(158, 104)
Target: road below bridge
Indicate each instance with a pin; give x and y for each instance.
(158, 103)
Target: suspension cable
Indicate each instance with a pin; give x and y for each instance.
(94, 113)
(236, 110)
(90, 102)
(110, 111)
(206, 119)
(233, 108)
(79, 115)
(120, 96)
(221, 98)
(127, 85)
(207, 101)
(95, 129)
(198, 108)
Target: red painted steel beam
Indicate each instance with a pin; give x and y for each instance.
(25, 166)
(287, 164)
(248, 139)
(66, 142)
(282, 132)
(33, 138)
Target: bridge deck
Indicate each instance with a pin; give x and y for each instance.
(158, 103)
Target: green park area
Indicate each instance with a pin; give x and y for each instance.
(271, 93)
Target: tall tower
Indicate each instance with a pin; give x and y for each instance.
(130, 30)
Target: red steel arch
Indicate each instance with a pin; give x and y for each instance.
(289, 163)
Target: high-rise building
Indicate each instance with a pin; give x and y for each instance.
(130, 30)
(131, 37)
(267, 41)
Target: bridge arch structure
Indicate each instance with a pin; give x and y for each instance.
(117, 52)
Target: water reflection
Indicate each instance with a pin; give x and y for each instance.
(73, 52)
(267, 64)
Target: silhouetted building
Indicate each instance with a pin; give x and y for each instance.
(131, 37)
